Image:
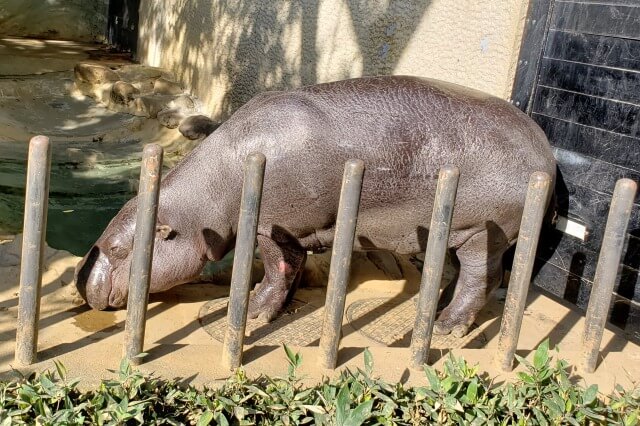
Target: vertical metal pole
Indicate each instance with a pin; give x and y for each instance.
(142, 257)
(340, 267)
(243, 260)
(607, 270)
(434, 264)
(33, 238)
(534, 209)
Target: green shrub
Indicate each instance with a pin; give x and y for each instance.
(544, 394)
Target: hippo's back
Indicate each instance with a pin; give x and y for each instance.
(404, 129)
(439, 119)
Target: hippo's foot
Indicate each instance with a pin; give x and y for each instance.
(283, 266)
(458, 325)
(266, 302)
(480, 270)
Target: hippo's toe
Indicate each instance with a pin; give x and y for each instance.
(458, 330)
(262, 312)
(458, 326)
(440, 328)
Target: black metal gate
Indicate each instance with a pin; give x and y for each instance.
(579, 78)
(122, 25)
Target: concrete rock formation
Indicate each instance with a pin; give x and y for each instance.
(170, 118)
(144, 91)
(197, 127)
(123, 93)
(162, 86)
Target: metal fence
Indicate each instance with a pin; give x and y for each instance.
(534, 209)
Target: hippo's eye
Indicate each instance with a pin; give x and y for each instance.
(118, 251)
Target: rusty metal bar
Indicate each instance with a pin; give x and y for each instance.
(607, 270)
(243, 260)
(340, 268)
(434, 264)
(33, 239)
(140, 272)
(535, 205)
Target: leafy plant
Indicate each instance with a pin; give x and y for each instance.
(543, 394)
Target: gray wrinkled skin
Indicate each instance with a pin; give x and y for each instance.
(404, 129)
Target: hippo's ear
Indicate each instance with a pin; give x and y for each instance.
(165, 232)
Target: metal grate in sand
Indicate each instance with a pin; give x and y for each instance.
(299, 325)
(390, 322)
(384, 321)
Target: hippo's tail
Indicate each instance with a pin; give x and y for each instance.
(551, 215)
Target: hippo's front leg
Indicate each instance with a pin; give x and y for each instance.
(283, 266)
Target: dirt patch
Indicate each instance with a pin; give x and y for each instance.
(94, 321)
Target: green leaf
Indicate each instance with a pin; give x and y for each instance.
(368, 362)
(290, 355)
(361, 413)
(205, 418)
(221, 419)
(303, 394)
(125, 369)
(555, 410)
(62, 371)
(522, 361)
(447, 383)
(541, 357)
(527, 378)
(592, 414)
(48, 386)
(257, 391)
(314, 409)
(356, 389)
(226, 401)
(573, 421)
(278, 407)
(590, 395)
(239, 412)
(632, 419)
(434, 381)
(472, 391)
(342, 405)
(540, 417)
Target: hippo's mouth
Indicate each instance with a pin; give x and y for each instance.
(116, 298)
(93, 279)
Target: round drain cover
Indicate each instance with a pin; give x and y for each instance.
(390, 322)
(299, 325)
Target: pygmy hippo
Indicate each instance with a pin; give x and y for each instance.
(403, 128)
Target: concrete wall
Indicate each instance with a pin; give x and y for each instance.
(226, 51)
(79, 20)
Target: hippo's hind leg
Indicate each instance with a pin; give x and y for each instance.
(480, 272)
(283, 266)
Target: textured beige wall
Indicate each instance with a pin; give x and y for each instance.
(226, 51)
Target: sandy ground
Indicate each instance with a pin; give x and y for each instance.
(185, 324)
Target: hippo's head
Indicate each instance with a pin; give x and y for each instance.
(103, 274)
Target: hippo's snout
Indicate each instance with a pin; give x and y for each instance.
(93, 278)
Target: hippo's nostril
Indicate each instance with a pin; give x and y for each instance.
(83, 270)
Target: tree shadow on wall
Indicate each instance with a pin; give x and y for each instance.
(248, 46)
